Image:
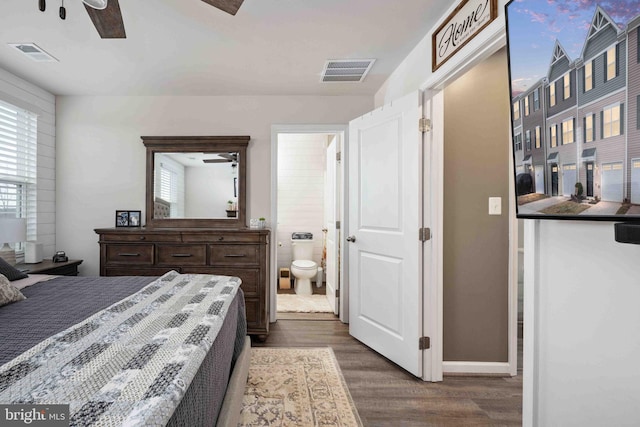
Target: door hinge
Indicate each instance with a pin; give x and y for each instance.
(337, 225)
(424, 234)
(337, 293)
(424, 125)
(338, 156)
(424, 343)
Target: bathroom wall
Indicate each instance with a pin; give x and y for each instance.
(301, 172)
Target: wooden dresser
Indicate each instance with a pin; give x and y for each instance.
(153, 252)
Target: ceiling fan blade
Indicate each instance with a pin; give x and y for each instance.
(229, 6)
(108, 21)
(216, 160)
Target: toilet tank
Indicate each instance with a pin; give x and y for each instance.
(302, 245)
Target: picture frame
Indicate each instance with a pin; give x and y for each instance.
(135, 219)
(122, 218)
(575, 132)
(126, 218)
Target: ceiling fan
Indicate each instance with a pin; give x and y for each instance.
(107, 18)
(225, 158)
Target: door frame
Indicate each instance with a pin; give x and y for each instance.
(343, 131)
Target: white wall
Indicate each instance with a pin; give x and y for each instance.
(213, 179)
(415, 71)
(30, 97)
(585, 321)
(101, 158)
(301, 171)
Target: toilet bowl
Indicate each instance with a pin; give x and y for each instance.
(302, 267)
(304, 271)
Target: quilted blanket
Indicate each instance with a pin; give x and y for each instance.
(131, 363)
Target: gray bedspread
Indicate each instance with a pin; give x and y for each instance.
(54, 306)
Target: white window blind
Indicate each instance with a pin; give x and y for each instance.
(18, 162)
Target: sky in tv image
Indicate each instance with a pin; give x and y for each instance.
(535, 25)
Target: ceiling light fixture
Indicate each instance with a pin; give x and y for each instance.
(96, 4)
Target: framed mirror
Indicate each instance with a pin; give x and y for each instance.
(196, 181)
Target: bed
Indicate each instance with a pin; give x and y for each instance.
(128, 350)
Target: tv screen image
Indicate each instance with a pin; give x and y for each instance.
(575, 100)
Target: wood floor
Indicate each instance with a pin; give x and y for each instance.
(385, 395)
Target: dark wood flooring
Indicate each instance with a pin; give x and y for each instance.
(386, 395)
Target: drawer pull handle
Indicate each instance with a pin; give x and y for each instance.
(221, 238)
(142, 237)
(181, 255)
(234, 256)
(127, 254)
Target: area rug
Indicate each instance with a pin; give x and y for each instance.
(296, 387)
(292, 303)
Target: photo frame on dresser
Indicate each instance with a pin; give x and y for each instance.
(122, 218)
(128, 218)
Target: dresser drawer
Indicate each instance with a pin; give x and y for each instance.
(141, 237)
(181, 255)
(129, 254)
(234, 254)
(221, 237)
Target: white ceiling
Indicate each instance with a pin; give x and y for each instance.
(187, 47)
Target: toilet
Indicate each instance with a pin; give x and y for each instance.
(302, 267)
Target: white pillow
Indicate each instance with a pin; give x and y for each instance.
(8, 292)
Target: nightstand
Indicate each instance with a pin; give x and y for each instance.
(68, 268)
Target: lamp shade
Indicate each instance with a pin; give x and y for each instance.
(96, 4)
(13, 230)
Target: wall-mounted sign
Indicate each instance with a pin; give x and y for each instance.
(466, 22)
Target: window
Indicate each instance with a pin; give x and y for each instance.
(526, 106)
(527, 140)
(169, 184)
(18, 160)
(612, 121)
(567, 132)
(589, 129)
(537, 142)
(516, 110)
(536, 100)
(518, 142)
(611, 70)
(567, 86)
(552, 94)
(553, 136)
(588, 76)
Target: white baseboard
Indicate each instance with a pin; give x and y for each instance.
(475, 368)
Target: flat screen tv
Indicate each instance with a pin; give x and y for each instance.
(574, 70)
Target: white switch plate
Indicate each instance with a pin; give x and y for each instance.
(495, 205)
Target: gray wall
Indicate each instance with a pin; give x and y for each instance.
(476, 166)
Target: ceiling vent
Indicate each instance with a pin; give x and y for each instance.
(33, 51)
(346, 70)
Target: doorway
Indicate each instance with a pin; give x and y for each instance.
(306, 211)
(554, 179)
(589, 179)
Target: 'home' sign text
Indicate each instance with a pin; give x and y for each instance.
(469, 18)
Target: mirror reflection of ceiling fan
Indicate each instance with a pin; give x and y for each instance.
(223, 158)
(107, 18)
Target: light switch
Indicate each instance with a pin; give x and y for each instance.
(495, 205)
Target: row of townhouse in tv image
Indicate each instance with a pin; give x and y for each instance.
(581, 122)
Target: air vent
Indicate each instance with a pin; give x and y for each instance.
(33, 51)
(346, 70)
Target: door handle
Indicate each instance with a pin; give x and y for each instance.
(351, 239)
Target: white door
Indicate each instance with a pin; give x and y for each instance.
(385, 211)
(539, 179)
(635, 181)
(612, 182)
(331, 216)
(568, 180)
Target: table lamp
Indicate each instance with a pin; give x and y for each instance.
(12, 230)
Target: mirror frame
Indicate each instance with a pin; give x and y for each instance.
(190, 144)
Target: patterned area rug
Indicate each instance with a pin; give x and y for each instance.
(291, 303)
(296, 387)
